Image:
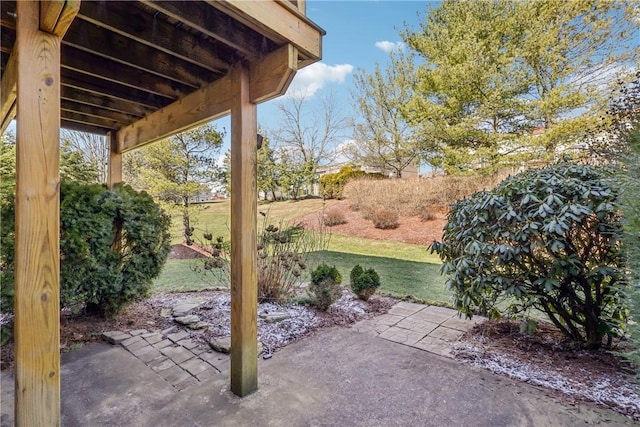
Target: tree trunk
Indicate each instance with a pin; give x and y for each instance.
(186, 224)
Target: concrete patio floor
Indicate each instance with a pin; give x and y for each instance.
(367, 375)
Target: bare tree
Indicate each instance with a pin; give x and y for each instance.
(310, 135)
(94, 150)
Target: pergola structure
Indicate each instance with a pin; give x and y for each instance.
(137, 71)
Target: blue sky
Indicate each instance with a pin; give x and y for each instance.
(358, 34)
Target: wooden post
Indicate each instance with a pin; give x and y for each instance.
(115, 162)
(37, 263)
(244, 206)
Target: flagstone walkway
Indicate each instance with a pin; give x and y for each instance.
(427, 327)
(175, 357)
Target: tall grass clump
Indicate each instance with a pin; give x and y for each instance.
(413, 196)
(283, 256)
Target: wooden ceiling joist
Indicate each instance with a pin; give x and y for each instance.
(124, 50)
(56, 15)
(279, 21)
(156, 34)
(201, 17)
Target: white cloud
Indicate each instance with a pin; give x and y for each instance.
(313, 78)
(388, 46)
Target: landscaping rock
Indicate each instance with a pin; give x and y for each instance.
(187, 320)
(198, 325)
(115, 337)
(185, 309)
(275, 317)
(223, 345)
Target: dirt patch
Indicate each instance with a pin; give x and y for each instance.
(411, 229)
(182, 251)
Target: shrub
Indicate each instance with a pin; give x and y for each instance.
(325, 286)
(384, 218)
(364, 282)
(428, 214)
(112, 244)
(332, 184)
(283, 253)
(547, 239)
(334, 217)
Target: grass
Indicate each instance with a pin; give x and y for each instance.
(398, 277)
(214, 217)
(405, 270)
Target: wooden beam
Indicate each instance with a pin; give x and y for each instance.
(37, 241)
(116, 47)
(115, 72)
(8, 91)
(57, 15)
(244, 251)
(278, 22)
(154, 33)
(115, 162)
(115, 91)
(201, 106)
(214, 24)
(270, 77)
(7, 119)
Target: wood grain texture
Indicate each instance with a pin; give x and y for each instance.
(114, 174)
(279, 22)
(8, 93)
(37, 263)
(201, 106)
(270, 76)
(244, 252)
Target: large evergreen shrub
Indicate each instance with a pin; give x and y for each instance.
(112, 244)
(548, 239)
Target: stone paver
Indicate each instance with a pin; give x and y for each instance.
(195, 366)
(187, 343)
(152, 338)
(174, 375)
(130, 341)
(180, 335)
(209, 373)
(150, 355)
(161, 364)
(417, 325)
(137, 346)
(115, 337)
(162, 344)
(445, 334)
(435, 345)
(435, 314)
(405, 308)
(402, 336)
(177, 354)
(173, 355)
(387, 319)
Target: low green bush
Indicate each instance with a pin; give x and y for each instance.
(112, 244)
(364, 282)
(325, 286)
(332, 184)
(548, 239)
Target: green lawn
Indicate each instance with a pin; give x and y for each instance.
(405, 270)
